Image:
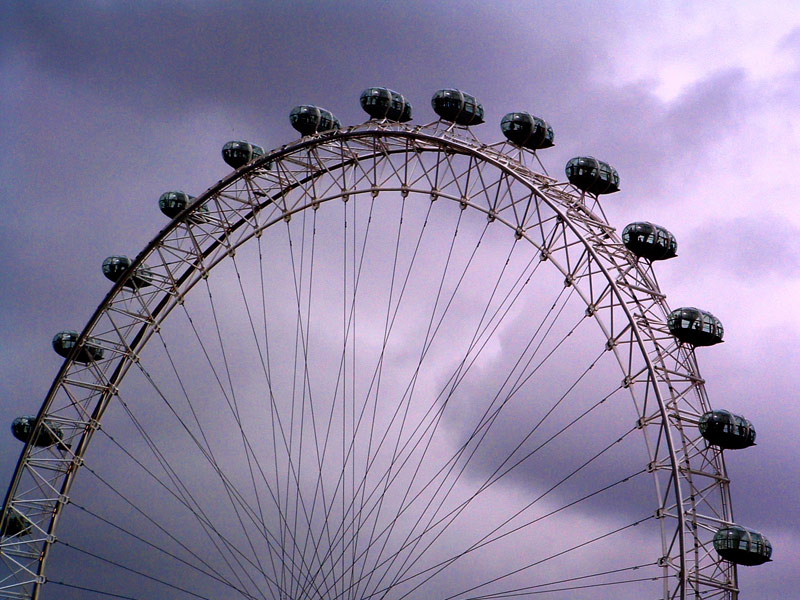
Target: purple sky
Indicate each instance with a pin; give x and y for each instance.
(106, 106)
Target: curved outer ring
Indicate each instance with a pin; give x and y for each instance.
(564, 203)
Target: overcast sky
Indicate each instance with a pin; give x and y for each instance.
(106, 105)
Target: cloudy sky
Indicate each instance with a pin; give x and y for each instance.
(106, 105)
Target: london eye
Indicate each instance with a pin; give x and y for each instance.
(387, 360)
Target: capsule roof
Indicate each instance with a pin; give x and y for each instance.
(65, 341)
(523, 129)
(457, 107)
(694, 326)
(238, 153)
(649, 241)
(308, 119)
(592, 176)
(742, 546)
(114, 267)
(726, 430)
(383, 103)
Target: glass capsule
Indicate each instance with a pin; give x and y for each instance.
(308, 119)
(174, 203)
(695, 327)
(238, 153)
(49, 434)
(115, 267)
(523, 129)
(726, 430)
(592, 176)
(649, 241)
(383, 103)
(15, 524)
(457, 107)
(65, 341)
(742, 546)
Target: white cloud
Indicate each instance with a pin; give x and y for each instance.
(675, 45)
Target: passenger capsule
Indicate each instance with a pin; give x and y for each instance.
(649, 241)
(694, 326)
(173, 203)
(457, 107)
(523, 129)
(115, 267)
(239, 153)
(592, 176)
(50, 434)
(16, 524)
(309, 120)
(65, 341)
(726, 430)
(382, 103)
(742, 546)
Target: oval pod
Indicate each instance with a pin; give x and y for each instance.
(115, 267)
(726, 430)
(383, 103)
(649, 241)
(592, 176)
(238, 153)
(457, 107)
(695, 327)
(309, 119)
(742, 546)
(523, 129)
(65, 341)
(174, 203)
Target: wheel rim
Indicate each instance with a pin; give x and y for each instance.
(561, 230)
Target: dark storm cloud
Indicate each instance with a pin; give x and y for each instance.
(102, 119)
(706, 108)
(161, 57)
(147, 55)
(759, 380)
(112, 104)
(655, 145)
(786, 92)
(165, 59)
(565, 429)
(791, 42)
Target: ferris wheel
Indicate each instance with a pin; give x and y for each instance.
(383, 361)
